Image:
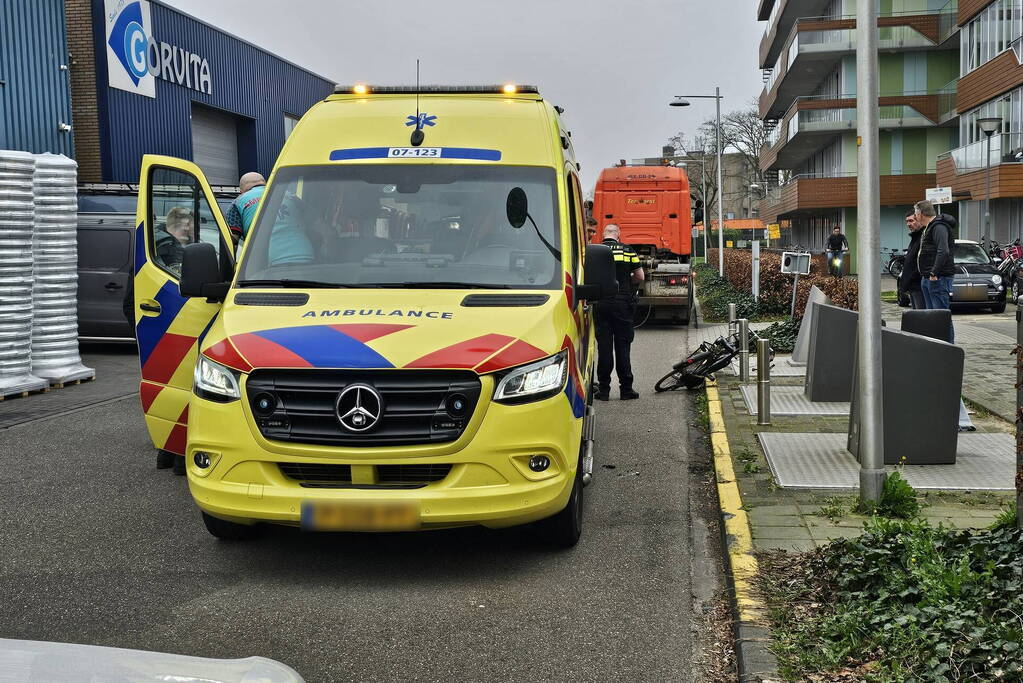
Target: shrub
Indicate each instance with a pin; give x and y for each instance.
(776, 287)
(782, 334)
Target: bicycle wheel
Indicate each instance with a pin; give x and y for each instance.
(670, 382)
(895, 268)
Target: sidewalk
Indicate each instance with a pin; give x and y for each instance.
(790, 519)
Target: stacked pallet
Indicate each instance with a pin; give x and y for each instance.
(17, 215)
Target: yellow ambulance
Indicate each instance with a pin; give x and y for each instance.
(404, 340)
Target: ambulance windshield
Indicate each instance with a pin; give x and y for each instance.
(403, 225)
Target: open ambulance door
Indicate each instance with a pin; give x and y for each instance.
(175, 207)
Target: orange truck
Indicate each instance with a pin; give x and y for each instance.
(651, 205)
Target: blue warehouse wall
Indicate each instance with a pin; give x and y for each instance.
(35, 96)
(254, 86)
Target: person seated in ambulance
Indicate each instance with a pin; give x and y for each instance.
(170, 242)
(289, 242)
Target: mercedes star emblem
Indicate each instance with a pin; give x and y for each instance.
(359, 407)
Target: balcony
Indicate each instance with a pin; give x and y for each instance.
(965, 171)
(807, 194)
(784, 14)
(812, 121)
(816, 45)
(993, 78)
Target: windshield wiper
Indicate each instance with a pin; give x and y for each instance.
(296, 284)
(440, 285)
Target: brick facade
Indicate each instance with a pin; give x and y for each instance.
(84, 108)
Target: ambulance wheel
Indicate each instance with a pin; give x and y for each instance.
(179, 465)
(564, 529)
(229, 531)
(164, 460)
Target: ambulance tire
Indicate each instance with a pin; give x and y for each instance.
(164, 460)
(564, 529)
(230, 531)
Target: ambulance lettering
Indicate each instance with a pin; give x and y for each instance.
(379, 312)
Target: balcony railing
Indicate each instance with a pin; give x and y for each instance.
(844, 39)
(947, 101)
(1006, 148)
(821, 175)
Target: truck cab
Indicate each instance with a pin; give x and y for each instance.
(652, 206)
(404, 339)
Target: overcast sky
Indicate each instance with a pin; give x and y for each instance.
(612, 64)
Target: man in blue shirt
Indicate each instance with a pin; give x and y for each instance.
(243, 209)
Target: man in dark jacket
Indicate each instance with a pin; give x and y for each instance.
(934, 259)
(909, 281)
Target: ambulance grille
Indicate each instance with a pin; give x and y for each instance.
(414, 405)
(317, 476)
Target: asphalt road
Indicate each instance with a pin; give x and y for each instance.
(98, 547)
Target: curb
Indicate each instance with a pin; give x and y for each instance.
(755, 661)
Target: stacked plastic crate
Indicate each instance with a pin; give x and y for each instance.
(17, 212)
(55, 266)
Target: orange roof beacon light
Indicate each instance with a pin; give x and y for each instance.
(509, 89)
(360, 89)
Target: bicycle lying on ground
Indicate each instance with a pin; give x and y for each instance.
(707, 359)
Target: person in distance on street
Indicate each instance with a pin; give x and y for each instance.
(243, 208)
(838, 245)
(591, 230)
(614, 318)
(909, 280)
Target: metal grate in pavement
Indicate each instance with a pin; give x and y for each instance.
(780, 368)
(984, 461)
(791, 401)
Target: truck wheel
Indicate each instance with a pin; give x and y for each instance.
(164, 459)
(229, 531)
(564, 529)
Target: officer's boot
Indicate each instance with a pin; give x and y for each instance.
(628, 393)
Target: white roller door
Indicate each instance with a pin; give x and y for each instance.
(215, 145)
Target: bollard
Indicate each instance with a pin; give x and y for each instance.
(743, 350)
(763, 381)
(731, 318)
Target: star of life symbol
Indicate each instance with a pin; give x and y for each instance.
(423, 120)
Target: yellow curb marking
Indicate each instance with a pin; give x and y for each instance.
(737, 528)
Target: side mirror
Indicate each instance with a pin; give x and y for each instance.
(200, 273)
(517, 206)
(599, 276)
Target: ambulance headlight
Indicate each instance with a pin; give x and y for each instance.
(533, 382)
(215, 382)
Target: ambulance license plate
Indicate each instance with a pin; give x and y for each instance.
(360, 516)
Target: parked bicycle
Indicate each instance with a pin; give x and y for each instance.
(707, 359)
(896, 262)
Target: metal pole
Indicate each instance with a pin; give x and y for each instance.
(706, 209)
(871, 428)
(987, 194)
(755, 285)
(744, 350)
(721, 189)
(1019, 417)
(795, 288)
(763, 382)
(731, 318)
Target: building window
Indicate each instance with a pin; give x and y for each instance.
(990, 33)
(289, 124)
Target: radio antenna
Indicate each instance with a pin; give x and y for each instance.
(417, 135)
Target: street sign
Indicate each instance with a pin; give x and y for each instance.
(939, 195)
(728, 243)
(797, 263)
(774, 231)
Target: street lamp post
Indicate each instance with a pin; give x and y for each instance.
(749, 195)
(989, 125)
(680, 101)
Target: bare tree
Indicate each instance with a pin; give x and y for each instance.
(743, 132)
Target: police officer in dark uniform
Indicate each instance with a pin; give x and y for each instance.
(614, 318)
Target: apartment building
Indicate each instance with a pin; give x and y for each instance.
(808, 58)
(990, 86)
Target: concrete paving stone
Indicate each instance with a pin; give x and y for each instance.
(759, 521)
(834, 532)
(790, 545)
(778, 510)
(781, 533)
